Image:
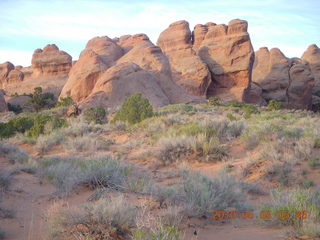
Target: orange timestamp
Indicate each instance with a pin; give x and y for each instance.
(264, 215)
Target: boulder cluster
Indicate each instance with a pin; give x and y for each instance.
(185, 66)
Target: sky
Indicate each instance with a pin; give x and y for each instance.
(25, 25)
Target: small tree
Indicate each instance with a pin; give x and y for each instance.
(95, 114)
(39, 100)
(134, 109)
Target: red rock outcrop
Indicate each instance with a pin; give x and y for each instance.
(3, 104)
(271, 73)
(287, 80)
(301, 84)
(228, 52)
(312, 56)
(50, 61)
(187, 68)
(5, 69)
(97, 80)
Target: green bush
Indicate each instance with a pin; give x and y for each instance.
(38, 126)
(6, 130)
(95, 114)
(274, 105)
(65, 102)
(134, 109)
(22, 124)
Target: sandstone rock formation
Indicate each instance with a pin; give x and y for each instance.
(5, 69)
(312, 56)
(228, 52)
(51, 61)
(271, 73)
(3, 104)
(287, 80)
(187, 68)
(49, 70)
(109, 70)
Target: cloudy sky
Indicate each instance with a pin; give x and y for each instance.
(291, 25)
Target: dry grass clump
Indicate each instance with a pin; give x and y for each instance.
(110, 218)
(97, 171)
(13, 154)
(297, 202)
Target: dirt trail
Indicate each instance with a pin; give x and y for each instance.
(29, 201)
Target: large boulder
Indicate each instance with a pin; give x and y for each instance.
(50, 61)
(271, 73)
(83, 75)
(5, 69)
(123, 80)
(301, 84)
(187, 68)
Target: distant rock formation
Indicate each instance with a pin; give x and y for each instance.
(49, 70)
(50, 61)
(109, 70)
(185, 66)
(287, 80)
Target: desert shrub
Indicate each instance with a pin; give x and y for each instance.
(203, 194)
(85, 143)
(314, 162)
(95, 114)
(45, 142)
(40, 100)
(317, 142)
(98, 171)
(13, 154)
(22, 124)
(209, 147)
(170, 149)
(38, 125)
(6, 130)
(215, 101)
(176, 108)
(65, 102)
(306, 183)
(110, 218)
(15, 108)
(5, 179)
(274, 105)
(295, 201)
(134, 109)
(249, 109)
(161, 231)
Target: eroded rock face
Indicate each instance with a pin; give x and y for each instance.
(287, 80)
(301, 84)
(5, 69)
(123, 80)
(187, 68)
(271, 73)
(50, 61)
(84, 75)
(3, 104)
(142, 68)
(228, 52)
